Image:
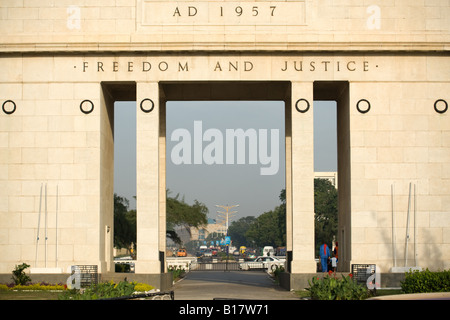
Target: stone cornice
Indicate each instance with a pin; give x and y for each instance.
(106, 47)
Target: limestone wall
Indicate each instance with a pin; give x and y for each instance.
(63, 63)
(36, 25)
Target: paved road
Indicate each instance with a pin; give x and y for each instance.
(210, 285)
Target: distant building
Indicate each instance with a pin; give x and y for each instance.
(202, 233)
(332, 176)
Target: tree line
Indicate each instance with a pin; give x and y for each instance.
(178, 214)
(268, 229)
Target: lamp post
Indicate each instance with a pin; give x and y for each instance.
(227, 214)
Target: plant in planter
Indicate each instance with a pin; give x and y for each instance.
(19, 276)
(331, 288)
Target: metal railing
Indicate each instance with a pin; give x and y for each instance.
(215, 266)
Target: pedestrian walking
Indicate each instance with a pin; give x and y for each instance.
(324, 256)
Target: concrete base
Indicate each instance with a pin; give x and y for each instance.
(416, 296)
(299, 281)
(404, 269)
(46, 270)
(162, 282)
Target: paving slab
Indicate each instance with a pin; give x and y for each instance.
(219, 285)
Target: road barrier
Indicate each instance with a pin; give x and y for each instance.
(215, 266)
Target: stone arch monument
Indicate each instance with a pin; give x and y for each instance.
(64, 63)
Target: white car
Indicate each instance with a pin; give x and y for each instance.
(261, 263)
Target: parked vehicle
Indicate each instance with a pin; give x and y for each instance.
(264, 262)
(268, 251)
(181, 253)
(207, 253)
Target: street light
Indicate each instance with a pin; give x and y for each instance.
(227, 214)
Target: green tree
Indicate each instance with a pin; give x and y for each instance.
(124, 223)
(325, 212)
(238, 229)
(181, 214)
(269, 229)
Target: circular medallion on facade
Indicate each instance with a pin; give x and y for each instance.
(86, 106)
(147, 105)
(302, 105)
(9, 107)
(440, 106)
(363, 106)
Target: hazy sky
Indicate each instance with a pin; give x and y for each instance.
(221, 184)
